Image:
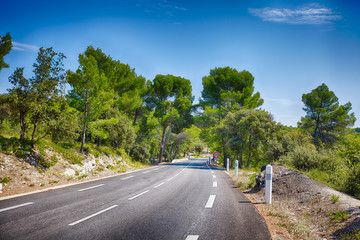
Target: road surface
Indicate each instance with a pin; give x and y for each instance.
(186, 200)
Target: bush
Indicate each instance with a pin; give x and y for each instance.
(302, 158)
(353, 181)
(141, 152)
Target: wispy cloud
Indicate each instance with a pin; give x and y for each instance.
(307, 14)
(24, 47)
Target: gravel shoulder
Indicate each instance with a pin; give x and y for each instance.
(305, 209)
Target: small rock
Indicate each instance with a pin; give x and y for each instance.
(277, 236)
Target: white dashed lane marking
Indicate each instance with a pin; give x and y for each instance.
(210, 202)
(93, 215)
(84, 189)
(138, 195)
(17, 206)
(127, 177)
(192, 237)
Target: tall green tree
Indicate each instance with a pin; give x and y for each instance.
(129, 88)
(5, 47)
(325, 119)
(167, 92)
(228, 88)
(89, 93)
(48, 86)
(248, 131)
(21, 98)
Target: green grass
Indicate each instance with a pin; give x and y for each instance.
(5, 180)
(82, 176)
(335, 198)
(338, 216)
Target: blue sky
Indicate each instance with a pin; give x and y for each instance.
(290, 47)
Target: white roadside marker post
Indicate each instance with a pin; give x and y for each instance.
(227, 164)
(268, 184)
(236, 167)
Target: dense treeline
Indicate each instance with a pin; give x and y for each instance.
(106, 103)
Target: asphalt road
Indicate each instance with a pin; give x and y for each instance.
(186, 200)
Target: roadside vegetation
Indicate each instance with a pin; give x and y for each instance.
(106, 108)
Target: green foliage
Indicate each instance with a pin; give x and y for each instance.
(230, 89)
(5, 180)
(53, 181)
(141, 152)
(335, 198)
(82, 176)
(302, 158)
(353, 181)
(5, 47)
(252, 179)
(338, 216)
(325, 119)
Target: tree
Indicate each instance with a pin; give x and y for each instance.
(4, 108)
(5, 47)
(87, 94)
(21, 99)
(325, 119)
(249, 129)
(167, 92)
(228, 88)
(129, 88)
(47, 85)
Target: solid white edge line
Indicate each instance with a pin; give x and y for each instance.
(214, 184)
(192, 237)
(146, 172)
(17, 206)
(127, 177)
(170, 179)
(84, 189)
(210, 202)
(138, 195)
(159, 185)
(93, 215)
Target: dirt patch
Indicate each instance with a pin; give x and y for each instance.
(305, 209)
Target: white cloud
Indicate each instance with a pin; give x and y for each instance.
(24, 47)
(308, 14)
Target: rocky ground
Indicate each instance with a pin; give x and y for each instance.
(21, 175)
(305, 209)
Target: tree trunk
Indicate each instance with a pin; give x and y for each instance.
(225, 155)
(162, 144)
(177, 150)
(85, 125)
(137, 112)
(35, 127)
(240, 161)
(249, 156)
(23, 126)
(99, 142)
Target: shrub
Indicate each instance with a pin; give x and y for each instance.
(5, 180)
(141, 152)
(335, 198)
(302, 158)
(353, 181)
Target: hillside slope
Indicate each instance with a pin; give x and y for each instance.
(305, 209)
(21, 175)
